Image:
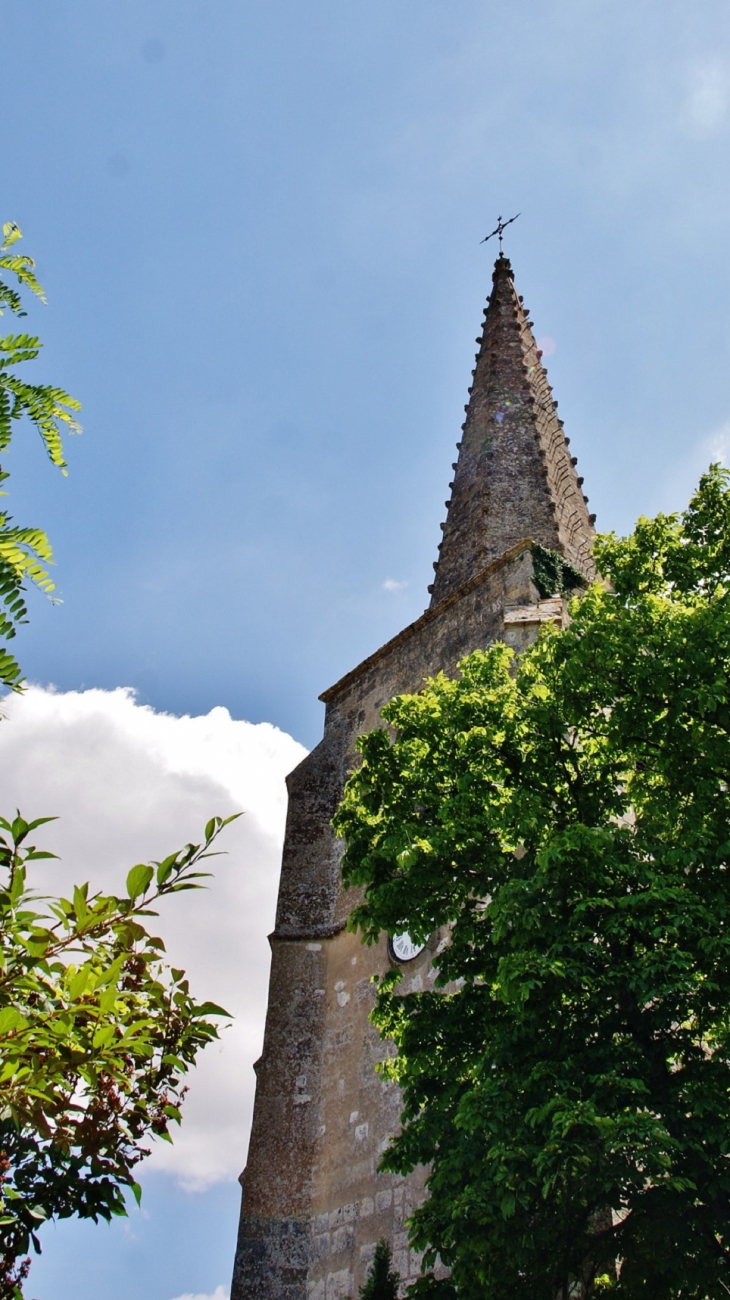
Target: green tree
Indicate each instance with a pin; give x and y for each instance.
(25, 552)
(97, 1031)
(564, 822)
(382, 1282)
(97, 1035)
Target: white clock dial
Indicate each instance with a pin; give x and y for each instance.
(402, 947)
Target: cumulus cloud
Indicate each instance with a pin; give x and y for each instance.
(392, 584)
(717, 446)
(679, 480)
(704, 110)
(131, 784)
(218, 1294)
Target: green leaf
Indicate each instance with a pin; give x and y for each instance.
(209, 1009)
(11, 1020)
(139, 879)
(79, 982)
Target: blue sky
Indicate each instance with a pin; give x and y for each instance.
(258, 225)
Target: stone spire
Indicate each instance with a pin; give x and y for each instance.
(515, 477)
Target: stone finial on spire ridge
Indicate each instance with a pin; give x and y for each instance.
(515, 477)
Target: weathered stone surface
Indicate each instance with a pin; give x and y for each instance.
(314, 1204)
(514, 477)
(272, 1260)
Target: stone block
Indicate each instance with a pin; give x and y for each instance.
(322, 1244)
(339, 1284)
(343, 1238)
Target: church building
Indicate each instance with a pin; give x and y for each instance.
(314, 1204)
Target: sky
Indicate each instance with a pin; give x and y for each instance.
(258, 224)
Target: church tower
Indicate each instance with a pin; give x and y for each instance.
(314, 1204)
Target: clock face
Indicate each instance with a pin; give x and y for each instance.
(402, 948)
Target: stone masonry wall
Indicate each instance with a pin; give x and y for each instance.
(314, 1204)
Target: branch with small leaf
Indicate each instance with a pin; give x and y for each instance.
(25, 553)
(97, 1034)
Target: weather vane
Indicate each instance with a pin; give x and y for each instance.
(500, 228)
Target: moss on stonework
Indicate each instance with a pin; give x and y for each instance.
(553, 575)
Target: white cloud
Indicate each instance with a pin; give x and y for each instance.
(717, 446)
(391, 584)
(705, 107)
(676, 485)
(130, 784)
(218, 1294)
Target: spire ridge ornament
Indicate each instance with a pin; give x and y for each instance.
(499, 230)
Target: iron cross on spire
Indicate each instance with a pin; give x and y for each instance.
(500, 228)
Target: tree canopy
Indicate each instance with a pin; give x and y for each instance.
(562, 823)
(97, 1033)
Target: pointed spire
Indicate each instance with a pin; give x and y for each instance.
(515, 476)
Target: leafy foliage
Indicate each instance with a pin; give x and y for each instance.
(383, 1281)
(97, 1036)
(553, 574)
(563, 822)
(25, 553)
